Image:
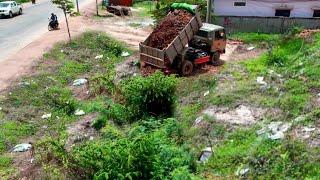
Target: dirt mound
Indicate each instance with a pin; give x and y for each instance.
(168, 29)
(308, 32)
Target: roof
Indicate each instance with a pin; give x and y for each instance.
(210, 27)
(7, 1)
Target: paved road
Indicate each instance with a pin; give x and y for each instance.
(19, 31)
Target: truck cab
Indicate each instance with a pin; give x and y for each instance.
(212, 39)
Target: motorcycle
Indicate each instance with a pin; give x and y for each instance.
(53, 25)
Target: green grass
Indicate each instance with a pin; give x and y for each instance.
(260, 39)
(150, 146)
(49, 90)
(265, 158)
(290, 70)
(145, 8)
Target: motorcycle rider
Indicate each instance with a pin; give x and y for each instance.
(53, 20)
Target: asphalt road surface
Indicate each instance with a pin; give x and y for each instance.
(18, 32)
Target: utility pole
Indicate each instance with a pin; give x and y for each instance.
(209, 10)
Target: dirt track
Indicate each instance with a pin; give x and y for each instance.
(20, 64)
(120, 28)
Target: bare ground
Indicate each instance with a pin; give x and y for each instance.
(20, 64)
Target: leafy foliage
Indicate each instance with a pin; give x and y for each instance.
(163, 7)
(140, 155)
(65, 5)
(152, 95)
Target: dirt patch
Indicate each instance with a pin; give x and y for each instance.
(169, 28)
(237, 51)
(22, 62)
(80, 92)
(80, 131)
(127, 69)
(308, 32)
(241, 115)
(310, 135)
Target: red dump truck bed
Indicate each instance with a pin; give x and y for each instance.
(158, 57)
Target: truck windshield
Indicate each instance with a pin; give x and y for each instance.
(4, 4)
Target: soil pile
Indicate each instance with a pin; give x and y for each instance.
(169, 28)
(308, 32)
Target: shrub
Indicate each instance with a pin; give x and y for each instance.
(141, 155)
(61, 99)
(153, 95)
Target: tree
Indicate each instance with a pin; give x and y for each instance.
(66, 6)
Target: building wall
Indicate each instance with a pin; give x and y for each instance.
(266, 8)
(235, 24)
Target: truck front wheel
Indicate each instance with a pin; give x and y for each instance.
(215, 60)
(186, 68)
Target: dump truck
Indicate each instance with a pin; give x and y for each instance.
(198, 43)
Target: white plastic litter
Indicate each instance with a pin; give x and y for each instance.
(198, 120)
(275, 130)
(125, 54)
(206, 93)
(79, 82)
(260, 80)
(99, 56)
(250, 48)
(46, 116)
(242, 172)
(205, 154)
(79, 112)
(22, 147)
(0, 108)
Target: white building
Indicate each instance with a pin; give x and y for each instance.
(267, 8)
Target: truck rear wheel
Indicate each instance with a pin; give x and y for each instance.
(186, 68)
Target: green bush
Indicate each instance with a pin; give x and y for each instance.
(61, 99)
(153, 95)
(163, 7)
(140, 155)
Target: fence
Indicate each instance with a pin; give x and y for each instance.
(265, 24)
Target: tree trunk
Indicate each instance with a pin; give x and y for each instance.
(77, 6)
(97, 7)
(65, 15)
(209, 10)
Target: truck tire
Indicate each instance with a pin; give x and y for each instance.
(20, 11)
(10, 14)
(215, 60)
(186, 68)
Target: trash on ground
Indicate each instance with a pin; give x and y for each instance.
(125, 54)
(250, 48)
(46, 116)
(198, 121)
(260, 80)
(206, 93)
(242, 172)
(99, 56)
(79, 112)
(79, 82)
(275, 130)
(242, 115)
(24, 84)
(22, 147)
(205, 154)
(299, 118)
(0, 108)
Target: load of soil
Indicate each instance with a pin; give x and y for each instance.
(169, 28)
